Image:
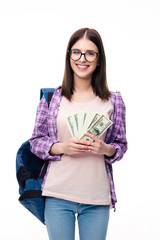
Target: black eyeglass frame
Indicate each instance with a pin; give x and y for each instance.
(69, 51)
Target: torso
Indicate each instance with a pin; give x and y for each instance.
(79, 178)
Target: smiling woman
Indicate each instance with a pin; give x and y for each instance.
(79, 178)
(82, 68)
(86, 42)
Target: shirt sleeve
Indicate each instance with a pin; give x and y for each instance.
(118, 136)
(41, 142)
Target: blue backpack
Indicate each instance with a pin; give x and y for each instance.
(30, 171)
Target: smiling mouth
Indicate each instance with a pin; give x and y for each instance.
(82, 67)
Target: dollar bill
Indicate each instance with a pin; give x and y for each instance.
(98, 128)
(75, 117)
(95, 118)
(86, 121)
(70, 125)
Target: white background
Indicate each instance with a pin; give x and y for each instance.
(33, 40)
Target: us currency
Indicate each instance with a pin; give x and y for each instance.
(98, 128)
(86, 121)
(89, 116)
(95, 118)
(76, 126)
(71, 125)
(78, 121)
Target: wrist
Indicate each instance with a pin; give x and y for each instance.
(110, 150)
(57, 148)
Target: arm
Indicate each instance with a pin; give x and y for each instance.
(118, 135)
(41, 142)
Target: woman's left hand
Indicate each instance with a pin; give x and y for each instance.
(100, 147)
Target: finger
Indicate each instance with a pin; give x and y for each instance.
(80, 147)
(91, 136)
(81, 150)
(81, 141)
(93, 150)
(83, 147)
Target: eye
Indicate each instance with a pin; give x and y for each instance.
(90, 53)
(75, 51)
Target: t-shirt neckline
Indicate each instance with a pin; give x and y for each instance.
(85, 103)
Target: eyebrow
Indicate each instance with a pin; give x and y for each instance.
(89, 50)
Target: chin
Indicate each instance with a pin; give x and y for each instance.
(84, 76)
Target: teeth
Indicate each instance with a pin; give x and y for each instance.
(80, 66)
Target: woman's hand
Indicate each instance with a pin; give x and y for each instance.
(79, 146)
(100, 147)
(73, 146)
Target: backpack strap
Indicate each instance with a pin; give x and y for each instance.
(44, 169)
(48, 93)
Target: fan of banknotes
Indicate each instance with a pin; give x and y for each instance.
(85, 121)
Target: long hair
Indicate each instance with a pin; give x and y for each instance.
(99, 79)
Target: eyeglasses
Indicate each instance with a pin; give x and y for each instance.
(90, 56)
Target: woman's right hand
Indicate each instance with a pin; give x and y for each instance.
(73, 146)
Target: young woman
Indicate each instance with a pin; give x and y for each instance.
(79, 178)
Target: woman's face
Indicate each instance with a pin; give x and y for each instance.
(82, 68)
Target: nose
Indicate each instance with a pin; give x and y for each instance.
(82, 59)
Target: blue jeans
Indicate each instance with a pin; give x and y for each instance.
(60, 219)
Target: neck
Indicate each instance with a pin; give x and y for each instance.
(82, 85)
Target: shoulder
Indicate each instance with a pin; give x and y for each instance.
(55, 95)
(116, 99)
(55, 100)
(58, 89)
(116, 96)
(118, 104)
(57, 92)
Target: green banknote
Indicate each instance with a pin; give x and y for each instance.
(98, 128)
(86, 121)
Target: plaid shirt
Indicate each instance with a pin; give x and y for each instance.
(45, 133)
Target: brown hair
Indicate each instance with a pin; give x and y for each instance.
(99, 79)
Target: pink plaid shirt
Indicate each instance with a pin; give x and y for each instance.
(45, 133)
